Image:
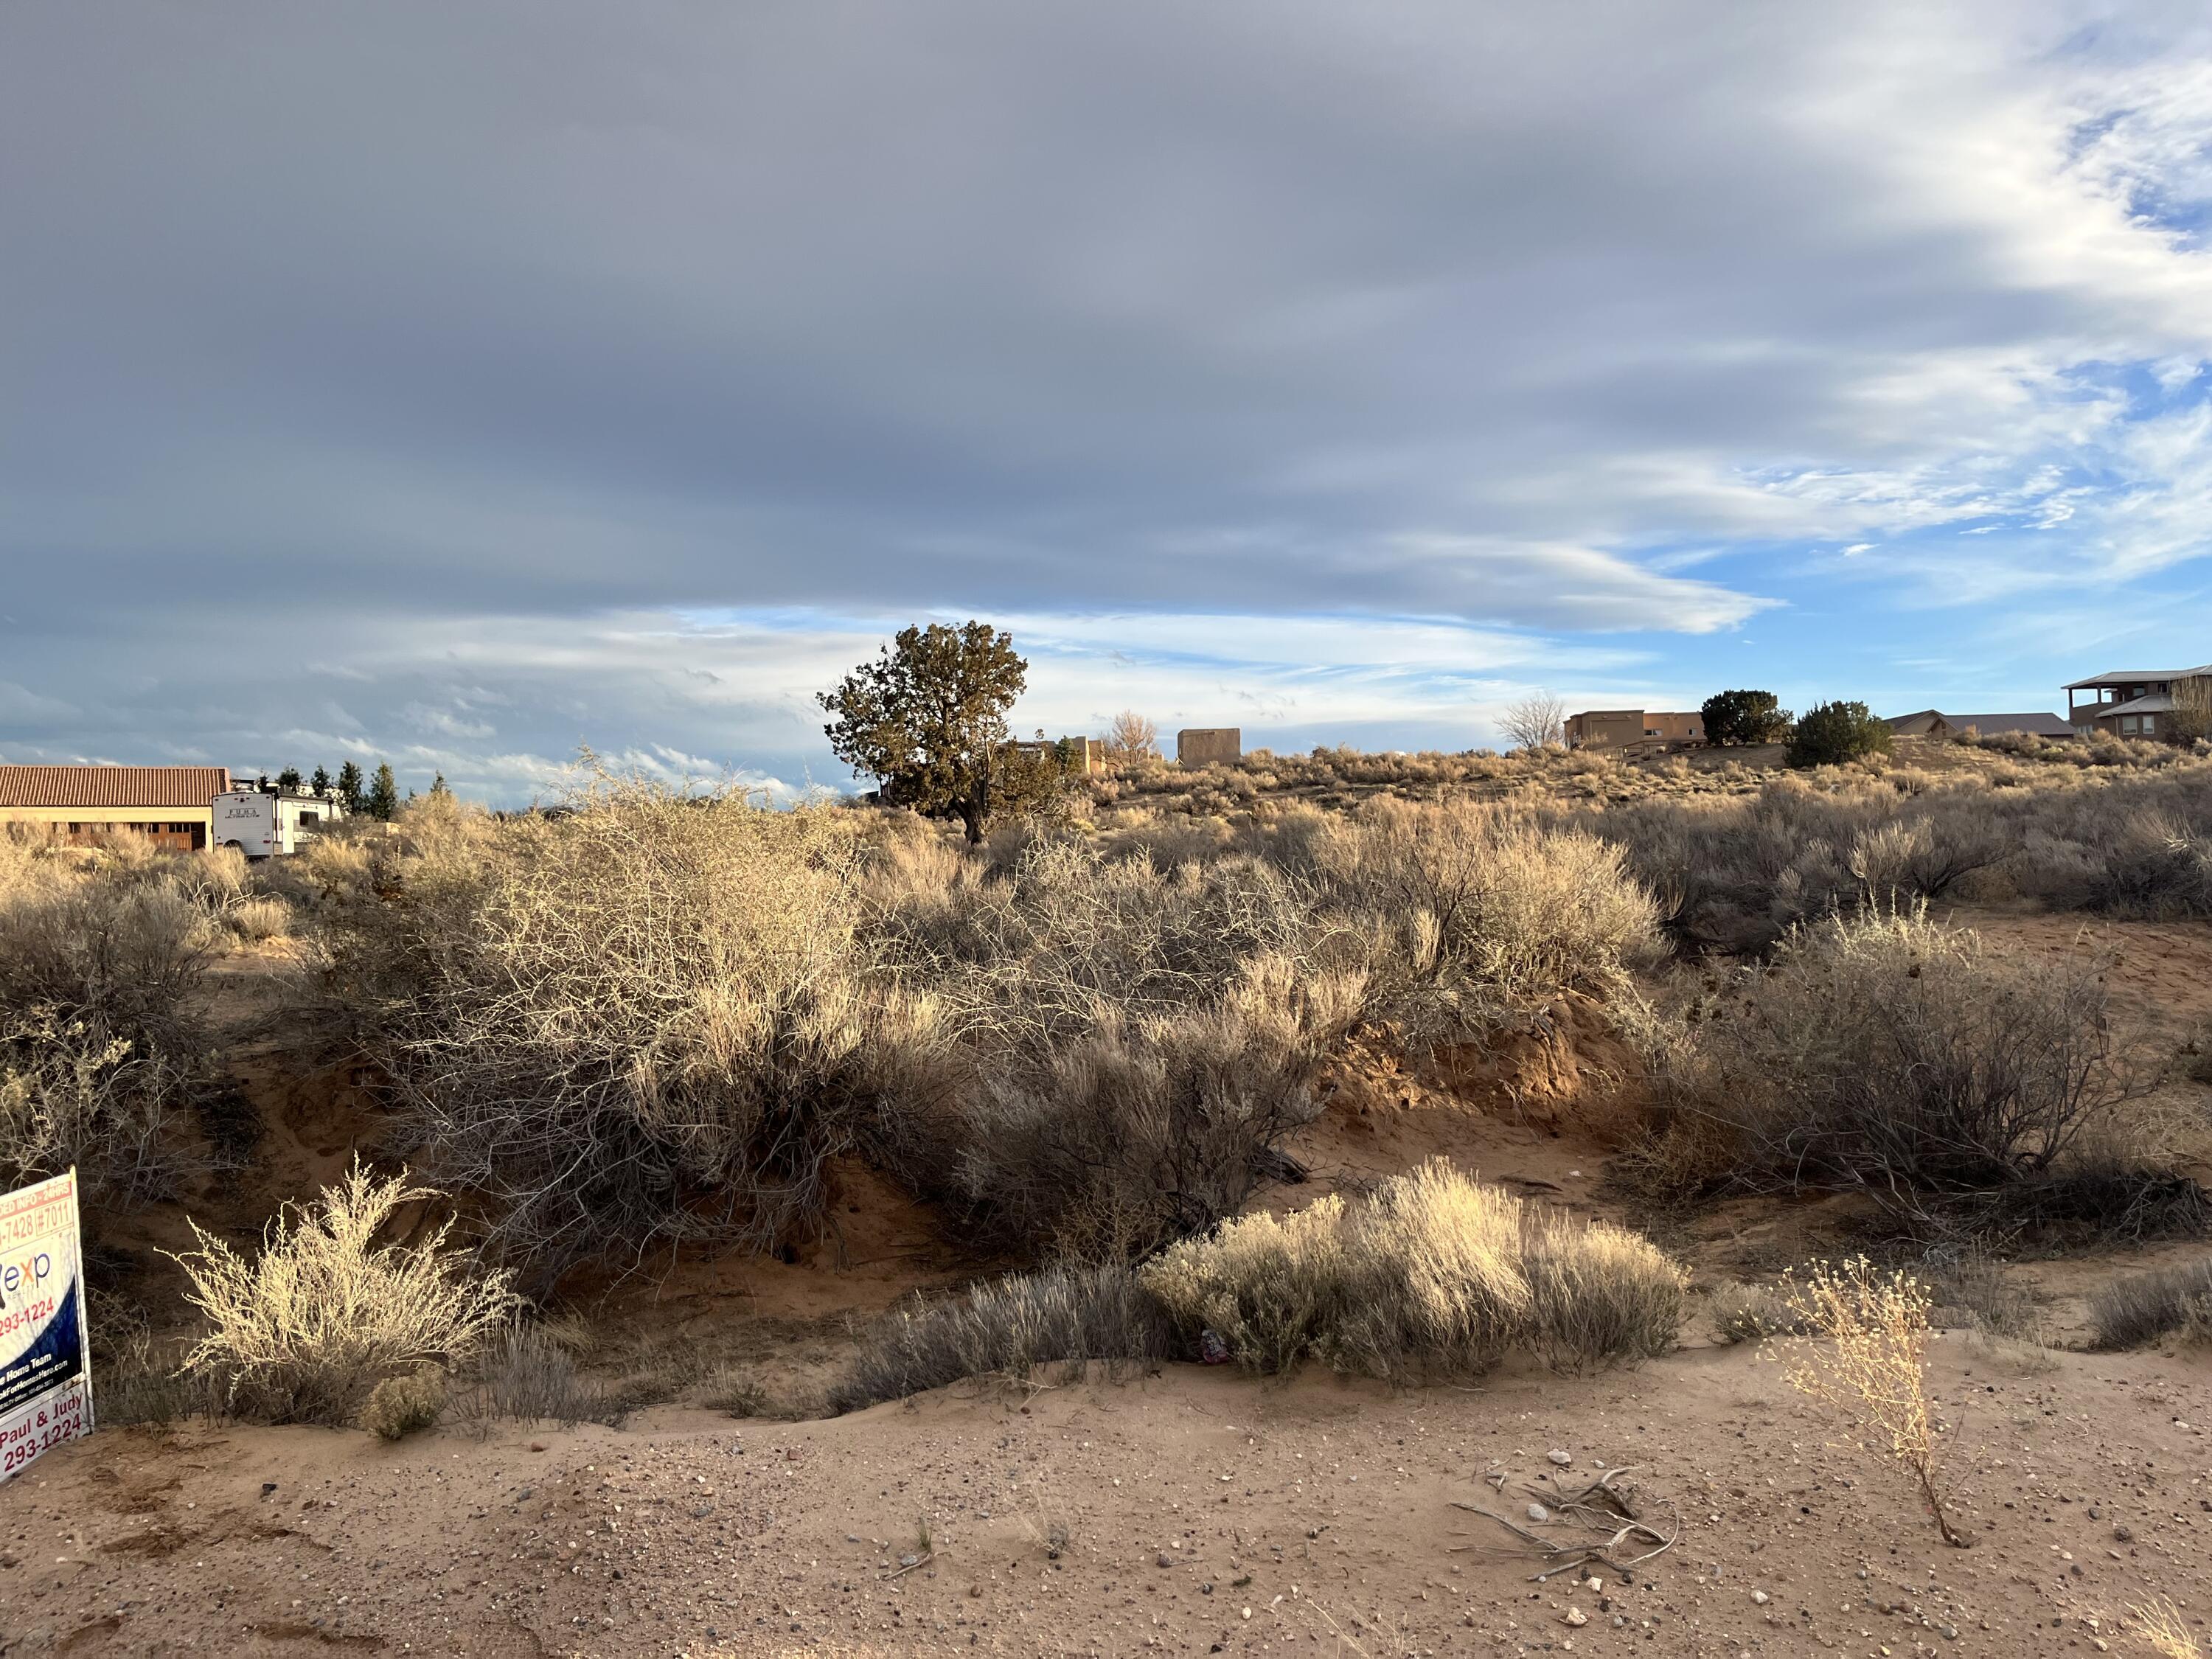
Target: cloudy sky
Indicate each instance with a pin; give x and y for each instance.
(458, 382)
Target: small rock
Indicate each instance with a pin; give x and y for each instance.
(2123, 1534)
(1247, 1613)
(1163, 1559)
(1562, 1458)
(909, 1560)
(1575, 1617)
(1759, 1598)
(1538, 1512)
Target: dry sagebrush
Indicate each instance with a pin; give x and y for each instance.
(1884, 1052)
(102, 1049)
(303, 1331)
(640, 1020)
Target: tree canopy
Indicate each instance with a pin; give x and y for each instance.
(927, 719)
(1835, 733)
(1739, 717)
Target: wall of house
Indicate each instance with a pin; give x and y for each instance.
(1605, 728)
(1210, 745)
(178, 829)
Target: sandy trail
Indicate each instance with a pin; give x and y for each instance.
(1322, 1506)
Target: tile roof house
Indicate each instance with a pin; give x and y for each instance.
(173, 805)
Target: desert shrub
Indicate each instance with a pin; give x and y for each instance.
(1867, 1353)
(73, 1094)
(1884, 1052)
(1270, 1287)
(101, 1053)
(407, 1404)
(1832, 733)
(641, 1020)
(1432, 1273)
(304, 1330)
(1474, 914)
(2145, 1308)
(1601, 1293)
(1132, 1043)
(1750, 1313)
(1011, 1326)
(1436, 1278)
(524, 1375)
(1140, 1131)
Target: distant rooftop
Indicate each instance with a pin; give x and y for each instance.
(2137, 676)
(111, 786)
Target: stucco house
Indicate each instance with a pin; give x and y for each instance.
(1629, 728)
(2131, 702)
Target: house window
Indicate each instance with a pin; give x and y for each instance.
(2128, 725)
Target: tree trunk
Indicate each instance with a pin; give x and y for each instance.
(971, 815)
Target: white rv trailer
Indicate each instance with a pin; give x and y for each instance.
(269, 824)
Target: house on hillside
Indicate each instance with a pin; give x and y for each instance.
(1633, 728)
(1929, 723)
(2131, 702)
(172, 806)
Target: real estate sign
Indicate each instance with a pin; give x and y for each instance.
(45, 1369)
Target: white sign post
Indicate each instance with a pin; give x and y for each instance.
(45, 1362)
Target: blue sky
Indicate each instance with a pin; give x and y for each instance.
(458, 384)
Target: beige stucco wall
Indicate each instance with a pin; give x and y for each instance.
(1210, 745)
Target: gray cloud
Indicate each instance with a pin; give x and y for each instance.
(406, 328)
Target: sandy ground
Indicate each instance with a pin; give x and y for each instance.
(1202, 1513)
(1323, 1506)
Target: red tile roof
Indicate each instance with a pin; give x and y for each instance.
(111, 786)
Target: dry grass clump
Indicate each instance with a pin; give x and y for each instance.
(1473, 913)
(1435, 1277)
(642, 1019)
(1866, 1353)
(2145, 1308)
(526, 1375)
(2164, 1631)
(1737, 1313)
(407, 1404)
(1602, 1295)
(1433, 1273)
(1010, 1326)
(1270, 1287)
(305, 1330)
(1883, 1052)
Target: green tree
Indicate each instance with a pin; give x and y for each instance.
(1835, 733)
(927, 719)
(1734, 717)
(438, 785)
(289, 778)
(383, 793)
(320, 783)
(350, 788)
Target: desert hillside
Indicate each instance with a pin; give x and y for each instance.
(1206, 1221)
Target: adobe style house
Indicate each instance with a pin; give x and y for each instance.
(2131, 702)
(1929, 723)
(172, 806)
(1209, 746)
(1629, 728)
